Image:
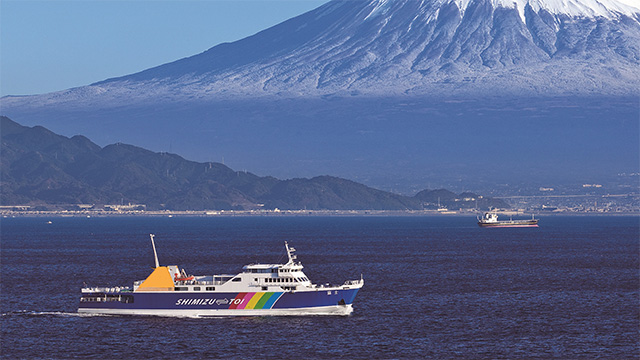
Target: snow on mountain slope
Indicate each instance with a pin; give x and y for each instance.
(381, 47)
(609, 9)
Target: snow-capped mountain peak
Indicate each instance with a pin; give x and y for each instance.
(609, 9)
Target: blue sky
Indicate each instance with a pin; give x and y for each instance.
(54, 45)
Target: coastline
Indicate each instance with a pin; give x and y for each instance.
(278, 213)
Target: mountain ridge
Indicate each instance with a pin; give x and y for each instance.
(40, 167)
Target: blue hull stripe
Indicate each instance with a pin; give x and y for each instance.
(272, 300)
(214, 301)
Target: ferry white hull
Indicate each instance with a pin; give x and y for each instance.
(338, 310)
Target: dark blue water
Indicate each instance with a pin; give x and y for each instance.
(435, 287)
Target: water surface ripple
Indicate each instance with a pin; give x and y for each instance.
(435, 287)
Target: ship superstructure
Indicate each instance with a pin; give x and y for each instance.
(260, 289)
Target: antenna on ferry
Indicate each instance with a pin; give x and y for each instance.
(290, 253)
(155, 254)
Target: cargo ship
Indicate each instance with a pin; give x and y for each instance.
(259, 290)
(490, 220)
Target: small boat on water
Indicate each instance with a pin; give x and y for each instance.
(490, 220)
(259, 290)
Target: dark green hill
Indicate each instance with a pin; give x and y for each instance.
(40, 167)
(328, 192)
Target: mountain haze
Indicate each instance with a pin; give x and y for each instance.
(367, 89)
(40, 167)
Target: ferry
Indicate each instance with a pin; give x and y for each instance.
(259, 290)
(490, 220)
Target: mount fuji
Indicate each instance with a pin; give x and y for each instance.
(375, 89)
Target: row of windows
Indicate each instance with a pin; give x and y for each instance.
(279, 280)
(261, 271)
(266, 288)
(195, 288)
(127, 299)
(264, 271)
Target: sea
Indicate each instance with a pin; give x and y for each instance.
(436, 287)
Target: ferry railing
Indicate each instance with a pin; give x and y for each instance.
(107, 289)
(353, 282)
(201, 282)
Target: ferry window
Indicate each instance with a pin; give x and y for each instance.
(274, 270)
(181, 289)
(236, 279)
(210, 288)
(265, 288)
(197, 288)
